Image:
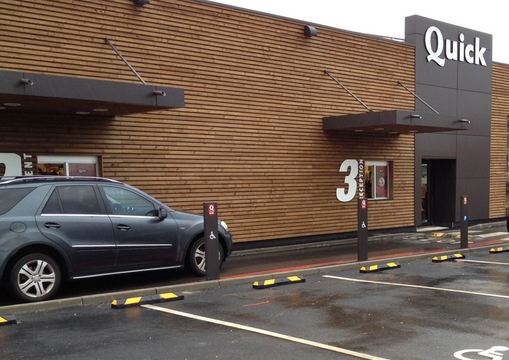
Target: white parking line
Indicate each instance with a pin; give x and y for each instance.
(265, 332)
(483, 262)
(483, 236)
(416, 286)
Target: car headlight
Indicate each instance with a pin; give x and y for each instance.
(223, 224)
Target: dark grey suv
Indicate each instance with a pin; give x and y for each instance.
(55, 228)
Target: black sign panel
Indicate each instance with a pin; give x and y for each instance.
(362, 217)
(464, 222)
(211, 240)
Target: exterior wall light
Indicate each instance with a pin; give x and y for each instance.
(464, 121)
(27, 82)
(310, 31)
(141, 2)
(159, 93)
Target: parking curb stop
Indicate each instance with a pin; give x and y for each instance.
(379, 267)
(499, 249)
(7, 320)
(452, 257)
(278, 282)
(142, 300)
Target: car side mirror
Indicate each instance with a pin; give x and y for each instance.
(162, 213)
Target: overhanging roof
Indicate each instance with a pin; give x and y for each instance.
(23, 92)
(394, 122)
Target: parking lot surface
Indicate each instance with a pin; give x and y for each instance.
(283, 258)
(423, 310)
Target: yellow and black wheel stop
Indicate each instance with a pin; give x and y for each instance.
(452, 257)
(264, 284)
(499, 249)
(379, 267)
(142, 300)
(7, 320)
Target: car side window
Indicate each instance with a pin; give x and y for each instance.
(53, 205)
(10, 197)
(125, 202)
(75, 199)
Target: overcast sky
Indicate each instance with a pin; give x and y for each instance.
(387, 17)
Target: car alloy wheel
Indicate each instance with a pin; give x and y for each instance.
(197, 257)
(35, 277)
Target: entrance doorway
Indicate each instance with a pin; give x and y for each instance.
(438, 189)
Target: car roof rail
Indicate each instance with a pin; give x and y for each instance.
(12, 180)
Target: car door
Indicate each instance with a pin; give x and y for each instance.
(143, 239)
(75, 218)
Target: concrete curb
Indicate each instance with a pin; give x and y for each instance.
(107, 298)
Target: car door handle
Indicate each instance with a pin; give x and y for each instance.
(52, 225)
(122, 227)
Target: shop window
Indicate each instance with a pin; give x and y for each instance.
(67, 165)
(377, 179)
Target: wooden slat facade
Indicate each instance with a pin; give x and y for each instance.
(250, 136)
(498, 149)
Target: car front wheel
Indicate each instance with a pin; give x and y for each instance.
(35, 277)
(196, 257)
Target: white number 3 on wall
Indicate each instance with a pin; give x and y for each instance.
(352, 167)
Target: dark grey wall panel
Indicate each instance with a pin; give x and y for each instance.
(475, 107)
(478, 80)
(442, 99)
(476, 190)
(471, 155)
(435, 146)
(459, 88)
(433, 75)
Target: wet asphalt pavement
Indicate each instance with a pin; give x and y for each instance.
(446, 309)
(259, 261)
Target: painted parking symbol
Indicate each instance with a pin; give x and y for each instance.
(493, 353)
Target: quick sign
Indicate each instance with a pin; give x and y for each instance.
(452, 49)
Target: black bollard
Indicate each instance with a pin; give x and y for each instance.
(211, 234)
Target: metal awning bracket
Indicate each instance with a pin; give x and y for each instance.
(326, 72)
(113, 47)
(418, 97)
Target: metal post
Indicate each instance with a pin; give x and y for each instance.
(210, 222)
(464, 222)
(362, 230)
(362, 217)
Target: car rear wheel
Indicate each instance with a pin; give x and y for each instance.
(196, 258)
(35, 277)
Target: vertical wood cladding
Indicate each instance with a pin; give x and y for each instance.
(498, 159)
(250, 136)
